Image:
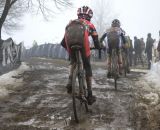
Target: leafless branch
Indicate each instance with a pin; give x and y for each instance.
(16, 9)
(103, 14)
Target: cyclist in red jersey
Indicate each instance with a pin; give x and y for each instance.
(84, 16)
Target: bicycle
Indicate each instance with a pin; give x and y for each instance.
(79, 91)
(125, 62)
(114, 66)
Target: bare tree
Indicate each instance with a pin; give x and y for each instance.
(12, 10)
(103, 14)
(14, 15)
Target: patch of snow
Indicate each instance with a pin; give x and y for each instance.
(139, 70)
(52, 117)
(152, 97)
(154, 75)
(100, 71)
(30, 100)
(3, 92)
(7, 81)
(150, 83)
(29, 122)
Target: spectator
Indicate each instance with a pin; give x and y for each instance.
(131, 53)
(142, 45)
(148, 50)
(158, 49)
(138, 51)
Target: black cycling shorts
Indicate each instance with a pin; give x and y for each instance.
(109, 51)
(86, 62)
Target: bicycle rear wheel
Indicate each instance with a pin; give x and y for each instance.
(124, 58)
(114, 68)
(115, 76)
(125, 68)
(80, 107)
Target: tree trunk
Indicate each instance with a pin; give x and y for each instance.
(3, 17)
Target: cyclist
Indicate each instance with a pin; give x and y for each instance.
(84, 16)
(114, 36)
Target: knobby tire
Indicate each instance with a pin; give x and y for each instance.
(125, 64)
(114, 68)
(75, 74)
(74, 92)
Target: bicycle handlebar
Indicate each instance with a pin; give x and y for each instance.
(99, 51)
(93, 48)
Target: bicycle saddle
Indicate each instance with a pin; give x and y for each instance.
(76, 47)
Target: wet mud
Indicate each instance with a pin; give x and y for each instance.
(42, 102)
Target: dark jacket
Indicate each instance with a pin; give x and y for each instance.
(158, 47)
(137, 46)
(149, 45)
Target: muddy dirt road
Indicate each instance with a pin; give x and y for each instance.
(42, 103)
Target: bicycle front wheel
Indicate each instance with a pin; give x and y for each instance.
(79, 106)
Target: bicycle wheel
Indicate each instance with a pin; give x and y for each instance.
(124, 63)
(115, 75)
(114, 68)
(85, 92)
(79, 105)
(125, 67)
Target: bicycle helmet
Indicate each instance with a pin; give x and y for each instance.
(116, 23)
(85, 12)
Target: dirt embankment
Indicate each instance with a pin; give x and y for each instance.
(147, 107)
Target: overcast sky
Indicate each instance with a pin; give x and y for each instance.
(138, 17)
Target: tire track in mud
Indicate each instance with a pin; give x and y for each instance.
(42, 102)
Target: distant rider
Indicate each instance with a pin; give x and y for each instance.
(114, 37)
